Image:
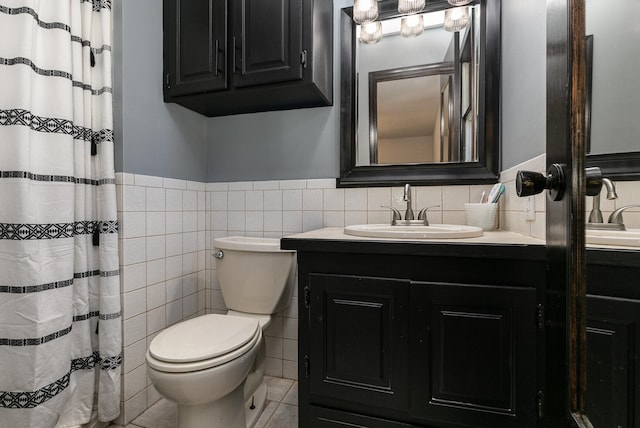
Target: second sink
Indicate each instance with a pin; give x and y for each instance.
(433, 231)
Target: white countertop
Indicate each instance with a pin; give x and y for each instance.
(489, 237)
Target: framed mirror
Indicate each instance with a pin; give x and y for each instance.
(410, 115)
(613, 131)
(422, 109)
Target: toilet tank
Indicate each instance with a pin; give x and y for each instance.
(255, 275)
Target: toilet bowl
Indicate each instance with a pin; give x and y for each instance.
(212, 366)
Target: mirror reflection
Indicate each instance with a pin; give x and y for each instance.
(614, 92)
(417, 95)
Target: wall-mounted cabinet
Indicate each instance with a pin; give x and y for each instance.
(226, 57)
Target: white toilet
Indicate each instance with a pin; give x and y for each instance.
(213, 365)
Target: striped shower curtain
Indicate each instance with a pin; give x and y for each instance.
(60, 320)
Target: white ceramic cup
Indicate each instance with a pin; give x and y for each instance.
(481, 215)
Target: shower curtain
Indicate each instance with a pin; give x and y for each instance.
(60, 320)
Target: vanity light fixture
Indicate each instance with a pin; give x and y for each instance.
(456, 19)
(371, 32)
(410, 6)
(412, 25)
(365, 11)
(459, 2)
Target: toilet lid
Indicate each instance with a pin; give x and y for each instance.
(203, 338)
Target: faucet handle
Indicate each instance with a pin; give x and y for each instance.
(396, 214)
(616, 216)
(422, 214)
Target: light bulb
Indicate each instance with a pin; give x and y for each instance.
(371, 27)
(364, 5)
(371, 32)
(456, 19)
(410, 6)
(412, 20)
(459, 2)
(412, 25)
(365, 11)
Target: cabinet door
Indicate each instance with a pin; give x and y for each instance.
(267, 41)
(473, 355)
(613, 379)
(358, 341)
(195, 41)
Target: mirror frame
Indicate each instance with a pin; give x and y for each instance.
(617, 166)
(485, 170)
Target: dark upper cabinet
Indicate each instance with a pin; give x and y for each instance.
(271, 50)
(240, 56)
(195, 43)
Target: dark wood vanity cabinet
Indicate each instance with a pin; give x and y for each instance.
(613, 339)
(239, 56)
(415, 337)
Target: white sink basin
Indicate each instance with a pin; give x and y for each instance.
(628, 238)
(433, 231)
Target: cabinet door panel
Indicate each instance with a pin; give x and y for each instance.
(267, 41)
(358, 336)
(328, 418)
(613, 385)
(473, 354)
(196, 34)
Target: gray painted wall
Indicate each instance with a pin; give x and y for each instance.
(614, 123)
(524, 83)
(152, 138)
(155, 138)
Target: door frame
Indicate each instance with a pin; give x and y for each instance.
(565, 344)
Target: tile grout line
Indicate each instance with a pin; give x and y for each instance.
(279, 403)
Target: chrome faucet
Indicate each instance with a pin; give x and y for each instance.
(595, 216)
(408, 215)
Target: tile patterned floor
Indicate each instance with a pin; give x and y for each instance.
(281, 409)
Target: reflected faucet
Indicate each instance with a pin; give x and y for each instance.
(615, 218)
(408, 215)
(595, 216)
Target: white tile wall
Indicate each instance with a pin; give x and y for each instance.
(512, 215)
(162, 261)
(168, 226)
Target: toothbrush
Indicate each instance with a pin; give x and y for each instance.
(496, 191)
(482, 196)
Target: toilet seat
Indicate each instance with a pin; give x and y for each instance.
(202, 342)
